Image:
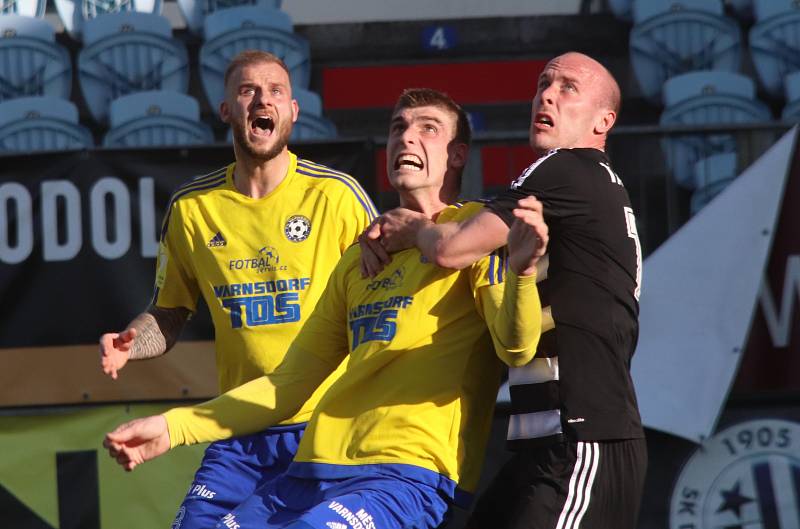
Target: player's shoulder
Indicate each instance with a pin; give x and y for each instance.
(566, 158)
(351, 259)
(461, 210)
(200, 186)
(564, 165)
(322, 176)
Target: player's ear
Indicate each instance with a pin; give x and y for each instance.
(224, 112)
(605, 120)
(458, 153)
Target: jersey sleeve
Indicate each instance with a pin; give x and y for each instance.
(316, 352)
(356, 211)
(509, 305)
(176, 284)
(555, 180)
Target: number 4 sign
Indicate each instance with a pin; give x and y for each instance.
(438, 38)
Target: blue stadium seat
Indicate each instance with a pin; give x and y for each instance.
(75, 13)
(311, 124)
(27, 8)
(621, 8)
(712, 174)
(195, 11)
(31, 62)
(670, 37)
(129, 52)
(775, 42)
(791, 86)
(705, 82)
(766, 9)
(742, 8)
(230, 31)
(643, 10)
(156, 118)
(41, 124)
(706, 99)
(308, 101)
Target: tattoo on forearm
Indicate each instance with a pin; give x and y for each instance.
(158, 330)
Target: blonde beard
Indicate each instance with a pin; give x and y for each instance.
(281, 141)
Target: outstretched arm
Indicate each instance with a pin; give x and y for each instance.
(150, 334)
(450, 245)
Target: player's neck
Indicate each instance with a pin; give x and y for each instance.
(258, 178)
(423, 201)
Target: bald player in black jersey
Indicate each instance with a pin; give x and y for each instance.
(579, 451)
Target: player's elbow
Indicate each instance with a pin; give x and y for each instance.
(444, 257)
(517, 358)
(446, 261)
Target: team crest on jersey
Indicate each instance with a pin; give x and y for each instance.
(745, 476)
(297, 228)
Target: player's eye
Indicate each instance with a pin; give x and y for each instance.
(430, 128)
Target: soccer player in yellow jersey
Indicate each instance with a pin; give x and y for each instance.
(258, 240)
(400, 436)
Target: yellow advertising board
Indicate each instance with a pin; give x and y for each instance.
(54, 472)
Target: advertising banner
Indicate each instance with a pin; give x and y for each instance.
(54, 473)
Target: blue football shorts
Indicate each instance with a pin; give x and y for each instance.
(232, 470)
(362, 502)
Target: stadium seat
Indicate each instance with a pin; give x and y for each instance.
(156, 118)
(670, 37)
(129, 52)
(41, 124)
(311, 125)
(791, 112)
(766, 9)
(27, 8)
(775, 42)
(195, 11)
(706, 99)
(31, 62)
(621, 8)
(743, 9)
(230, 31)
(712, 174)
(75, 13)
(705, 82)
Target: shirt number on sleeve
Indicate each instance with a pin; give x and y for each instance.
(633, 233)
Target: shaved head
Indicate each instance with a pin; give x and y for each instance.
(607, 90)
(576, 104)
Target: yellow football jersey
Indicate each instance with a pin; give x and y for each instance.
(417, 397)
(260, 264)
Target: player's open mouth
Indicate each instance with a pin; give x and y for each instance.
(411, 162)
(544, 120)
(263, 125)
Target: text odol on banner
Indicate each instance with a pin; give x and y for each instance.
(110, 221)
